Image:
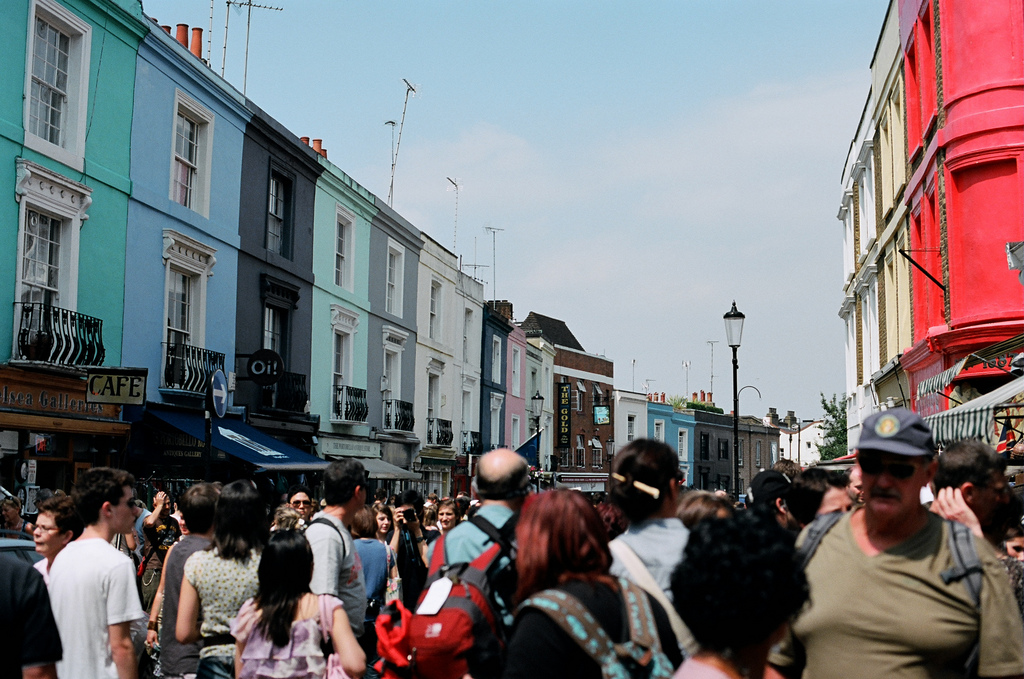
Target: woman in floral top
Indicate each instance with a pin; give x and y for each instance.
(219, 580)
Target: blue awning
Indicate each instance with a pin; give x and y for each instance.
(246, 443)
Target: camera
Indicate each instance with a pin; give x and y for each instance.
(409, 514)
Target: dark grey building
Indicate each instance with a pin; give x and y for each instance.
(275, 276)
(391, 361)
(713, 450)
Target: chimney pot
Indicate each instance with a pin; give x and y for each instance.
(167, 28)
(317, 144)
(702, 399)
(304, 140)
(182, 36)
(711, 399)
(323, 152)
(197, 42)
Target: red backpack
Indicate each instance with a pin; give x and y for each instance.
(464, 636)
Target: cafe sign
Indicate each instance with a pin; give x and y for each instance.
(52, 395)
(123, 386)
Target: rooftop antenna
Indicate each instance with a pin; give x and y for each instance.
(410, 90)
(474, 266)
(686, 367)
(632, 382)
(647, 384)
(248, 25)
(456, 185)
(392, 123)
(494, 259)
(712, 343)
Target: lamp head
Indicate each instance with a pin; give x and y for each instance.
(733, 326)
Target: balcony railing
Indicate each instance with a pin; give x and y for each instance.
(288, 394)
(53, 335)
(439, 432)
(349, 404)
(472, 444)
(398, 415)
(188, 368)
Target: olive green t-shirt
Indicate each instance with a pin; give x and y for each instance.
(891, 615)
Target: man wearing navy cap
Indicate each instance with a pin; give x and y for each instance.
(880, 606)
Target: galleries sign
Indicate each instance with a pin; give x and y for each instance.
(564, 410)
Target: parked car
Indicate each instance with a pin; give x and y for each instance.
(20, 548)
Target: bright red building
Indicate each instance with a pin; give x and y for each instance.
(964, 74)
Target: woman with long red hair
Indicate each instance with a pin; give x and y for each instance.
(563, 563)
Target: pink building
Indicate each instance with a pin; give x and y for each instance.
(517, 426)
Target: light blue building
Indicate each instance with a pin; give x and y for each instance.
(676, 429)
(181, 256)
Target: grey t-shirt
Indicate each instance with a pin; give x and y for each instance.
(177, 658)
(659, 543)
(337, 569)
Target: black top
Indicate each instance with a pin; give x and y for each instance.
(411, 568)
(28, 633)
(539, 648)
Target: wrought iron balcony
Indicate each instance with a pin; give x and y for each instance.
(288, 394)
(398, 415)
(188, 368)
(349, 404)
(471, 443)
(59, 336)
(439, 432)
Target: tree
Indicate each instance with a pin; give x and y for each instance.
(833, 427)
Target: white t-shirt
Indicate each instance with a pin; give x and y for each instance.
(92, 586)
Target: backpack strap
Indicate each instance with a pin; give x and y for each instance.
(967, 567)
(325, 522)
(815, 532)
(642, 577)
(643, 630)
(504, 536)
(578, 622)
(437, 559)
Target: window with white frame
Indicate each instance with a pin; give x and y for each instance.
(739, 452)
(433, 389)
(516, 431)
(341, 358)
(394, 346)
(659, 430)
(496, 360)
(467, 410)
(467, 331)
(279, 214)
(275, 329)
(394, 283)
(723, 449)
(187, 266)
(596, 455)
(581, 451)
(683, 440)
(343, 324)
(57, 83)
(434, 322)
(50, 217)
(581, 389)
(191, 155)
(343, 248)
(496, 401)
(517, 357)
(534, 387)
(630, 427)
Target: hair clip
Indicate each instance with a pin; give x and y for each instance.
(642, 487)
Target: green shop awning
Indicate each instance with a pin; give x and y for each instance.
(975, 419)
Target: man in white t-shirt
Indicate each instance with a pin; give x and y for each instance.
(92, 585)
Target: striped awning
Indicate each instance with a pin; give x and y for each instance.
(974, 419)
(939, 382)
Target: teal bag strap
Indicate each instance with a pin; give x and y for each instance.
(643, 630)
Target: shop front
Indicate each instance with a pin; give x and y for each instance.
(586, 483)
(382, 474)
(50, 431)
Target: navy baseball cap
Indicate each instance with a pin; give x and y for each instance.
(767, 486)
(897, 431)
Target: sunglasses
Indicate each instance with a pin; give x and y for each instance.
(898, 470)
(301, 503)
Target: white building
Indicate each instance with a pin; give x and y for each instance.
(630, 418)
(449, 326)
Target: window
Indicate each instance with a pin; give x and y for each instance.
(343, 323)
(279, 208)
(534, 387)
(434, 325)
(394, 346)
(433, 388)
(705, 445)
(630, 427)
(739, 452)
(191, 156)
(757, 454)
(395, 279)
(275, 329)
(343, 249)
(467, 410)
(517, 388)
(467, 330)
(389, 380)
(774, 452)
(516, 432)
(704, 479)
(340, 358)
(188, 264)
(496, 401)
(723, 482)
(683, 445)
(581, 451)
(723, 449)
(51, 214)
(56, 83)
(597, 455)
(496, 360)
(579, 399)
(659, 430)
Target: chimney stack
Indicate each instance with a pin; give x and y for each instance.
(197, 43)
(304, 140)
(167, 28)
(182, 36)
(317, 145)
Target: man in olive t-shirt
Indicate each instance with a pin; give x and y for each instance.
(879, 606)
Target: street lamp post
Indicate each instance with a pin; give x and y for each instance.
(536, 410)
(733, 334)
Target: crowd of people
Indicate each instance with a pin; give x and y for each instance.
(908, 566)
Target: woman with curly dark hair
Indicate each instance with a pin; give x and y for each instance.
(563, 557)
(737, 589)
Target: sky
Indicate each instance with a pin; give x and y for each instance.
(647, 163)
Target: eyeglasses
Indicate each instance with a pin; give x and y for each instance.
(874, 466)
(48, 528)
(301, 503)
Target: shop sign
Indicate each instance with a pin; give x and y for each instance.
(49, 395)
(124, 386)
(336, 447)
(564, 410)
(177, 447)
(602, 415)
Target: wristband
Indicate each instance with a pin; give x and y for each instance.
(151, 625)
